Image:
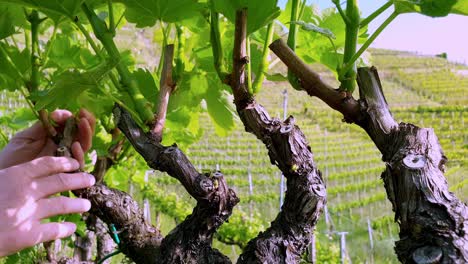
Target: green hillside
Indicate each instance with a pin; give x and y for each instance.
(426, 91)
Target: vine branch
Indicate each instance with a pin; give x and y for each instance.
(290, 232)
(167, 86)
(315, 86)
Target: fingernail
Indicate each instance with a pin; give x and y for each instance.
(92, 180)
(87, 205)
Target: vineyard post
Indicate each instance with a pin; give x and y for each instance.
(371, 240)
(342, 246)
(146, 203)
(312, 249)
(250, 189)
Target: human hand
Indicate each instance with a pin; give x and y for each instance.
(24, 202)
(34, 142)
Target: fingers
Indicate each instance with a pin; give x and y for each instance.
(78, 153)
(30, 235)
(85, 134)
(51, 231)
(61, 205)
(60, 116)
(35, 132)
(62, 182)
(90, 117)
(45, 166)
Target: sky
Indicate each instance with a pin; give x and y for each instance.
(416, 32)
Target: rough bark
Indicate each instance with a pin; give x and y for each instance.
(139, 240)
(433, 222)
(289, 234)
(190, 241)
(84, 246)
(105, 244)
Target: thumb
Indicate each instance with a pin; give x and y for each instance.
(35, 132)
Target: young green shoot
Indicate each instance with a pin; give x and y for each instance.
(293, 80)
(364, 47)
(263, 66)
(348, 77)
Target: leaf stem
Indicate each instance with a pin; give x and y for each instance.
(163, 48)
(14, 41)
(23, 79)
(371, 39)
(263, 66)
(98, 52)
(340, 10)
(377, 12)
(105, 36)
(12, 64)
(30, 104)
(51, 44)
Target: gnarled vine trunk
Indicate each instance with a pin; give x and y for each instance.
(433, 222)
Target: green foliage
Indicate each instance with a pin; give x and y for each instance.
(12, 16)
(433, 8)
(241, 228)
(260, 13)
(325, 36)
(85, 85)
(23, 255)
(14, 65)
(67, 53)
(328, 253)
(221, 110)
(146, 13)
(21, 118)
(54, 9)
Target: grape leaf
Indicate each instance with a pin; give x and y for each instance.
(65, 54)
(182, 126)
(259, 12)
(145, 13)
(101, 140)
(432, 8)
(12, 16)
(54, 9)
(13, 64)
(220, 109)
(460, 8)
(147, 85)
(70, 86)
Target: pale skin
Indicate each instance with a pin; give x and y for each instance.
(29, 175)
